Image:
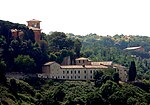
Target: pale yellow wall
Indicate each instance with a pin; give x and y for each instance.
(78, 73)
(82, 62)
(123, 74)
(45, 69)
(54, 71)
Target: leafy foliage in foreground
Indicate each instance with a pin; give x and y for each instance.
(49, 92)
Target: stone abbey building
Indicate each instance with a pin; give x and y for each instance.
(83, 70)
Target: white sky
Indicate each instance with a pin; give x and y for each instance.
(103, 17)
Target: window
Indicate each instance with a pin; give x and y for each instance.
(85, 71)
(91, 77)
(79, 61)
(79, 72)
(71, 72)
(83, 61)
(68, 77)
(75, 77)
(67, 72)
(85, 77)
(63, 76)
(78, 76)
(71, 77)
(58, 76)
(91, 71)
(75, 72)
(63, 72)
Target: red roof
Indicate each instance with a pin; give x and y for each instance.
(34, 20)
(81, 67)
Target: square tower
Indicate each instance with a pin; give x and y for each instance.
(35, 26)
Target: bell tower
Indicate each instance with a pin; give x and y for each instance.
(35, 26)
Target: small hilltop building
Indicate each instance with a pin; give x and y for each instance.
(137, 48)
(31, 24)
(35, 26)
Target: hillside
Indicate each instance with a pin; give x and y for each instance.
(23, 54)
(33, 91)
(111, 48)
(26, 55)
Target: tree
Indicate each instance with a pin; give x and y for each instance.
(108, 89)
(77, 47)
(98, 74)
(58, 94)
(53, 57)
(116, 77)
(13, 87)
(2, 72)
(132, 71)
(94, 98)
(24, 63)
(57, 41)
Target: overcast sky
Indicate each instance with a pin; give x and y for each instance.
(103, 17)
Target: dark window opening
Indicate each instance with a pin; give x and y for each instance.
(79, 72)
(91, 77)
(91, 71)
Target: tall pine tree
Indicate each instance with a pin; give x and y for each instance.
(132, 71)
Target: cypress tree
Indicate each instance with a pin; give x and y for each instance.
(132, 71)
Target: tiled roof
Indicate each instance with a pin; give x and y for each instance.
(81, 67)
(106, 63)
(132, 48)
(119, 66)
(48, 63)
(34, 20)
(82, 58)
(15, 30)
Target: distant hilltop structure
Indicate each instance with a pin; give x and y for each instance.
(35, 26)
(138, 48)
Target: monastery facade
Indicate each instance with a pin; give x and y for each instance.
(83, 70)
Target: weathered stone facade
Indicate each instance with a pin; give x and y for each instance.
(80, 71)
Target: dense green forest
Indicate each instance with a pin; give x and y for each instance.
(111, 48)
(23, 54)
(35, 91)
